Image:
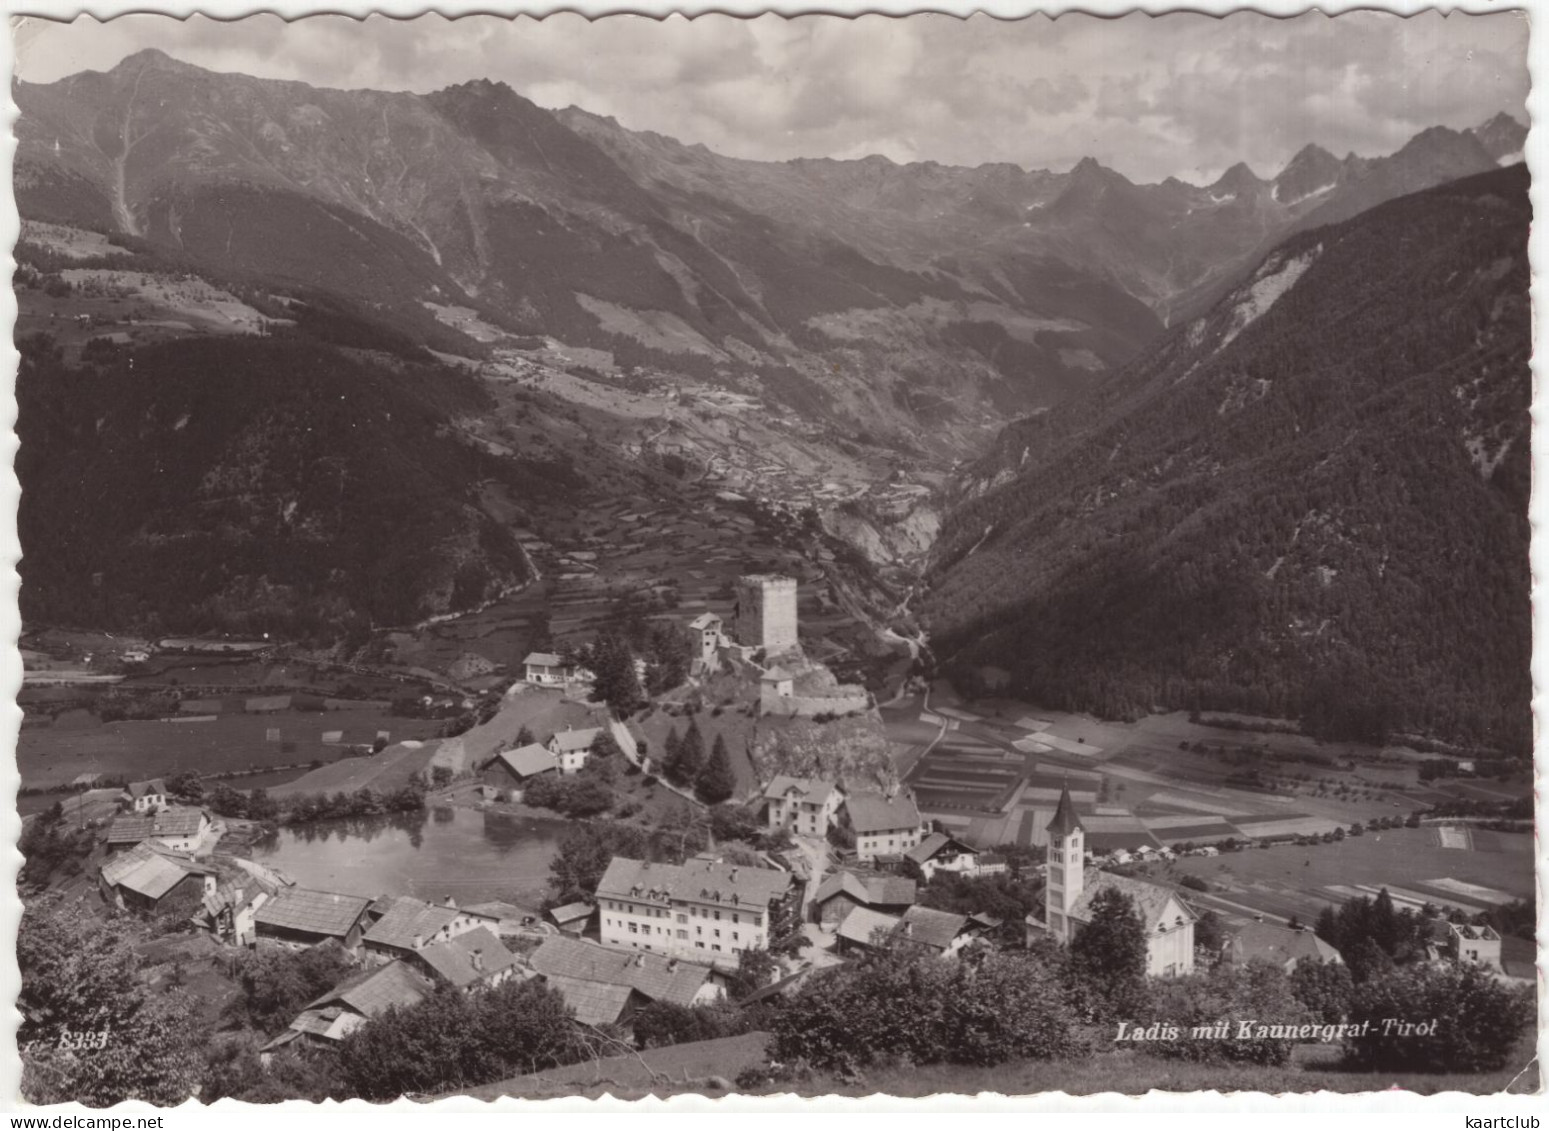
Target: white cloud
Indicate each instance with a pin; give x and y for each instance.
(1182, 94)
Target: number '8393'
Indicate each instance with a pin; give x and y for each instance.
(70, 1041)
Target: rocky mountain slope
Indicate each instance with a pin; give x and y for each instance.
(893, 295)
(252, 486)
(1308, 502)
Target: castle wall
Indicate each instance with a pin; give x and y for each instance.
(800, 706)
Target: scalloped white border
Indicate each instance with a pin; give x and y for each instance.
(1167, 1111)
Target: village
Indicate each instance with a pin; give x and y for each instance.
(841, 865)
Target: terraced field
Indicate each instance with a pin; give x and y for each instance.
(49, 756)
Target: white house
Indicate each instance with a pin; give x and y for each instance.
(572, 746)
(707, 629)
(544, 669)
(883, 825)
(1071, 887)
(779, 681)
(409, 925)
(146, 796)
(802, 805)
(702, 910)
(939, 852)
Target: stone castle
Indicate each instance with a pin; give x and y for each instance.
(764, 620)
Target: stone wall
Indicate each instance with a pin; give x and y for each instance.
(807, 707)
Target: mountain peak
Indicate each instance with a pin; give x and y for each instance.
(153, 58)
(1238, 178)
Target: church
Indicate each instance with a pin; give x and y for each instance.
(1071, 886)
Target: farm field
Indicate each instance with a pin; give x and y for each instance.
(1411, 863)
(995, 775)
(55, 755)
(390, 770)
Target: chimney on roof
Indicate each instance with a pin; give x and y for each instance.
(734, 872)
(1259, 918)
(449, 902)
(672, 965)
(478, 959)
(640, 959)
(908, 929)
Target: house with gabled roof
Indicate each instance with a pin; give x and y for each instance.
(572, 747)
(410, 925)
(941, 934)
(146, 796)
(802, 805)
(939, 852)
(605, 985)
(706, 627)
(303, 917)
(844, 890)
(1276, 943)
(545, 669)
(1071, 887)
(523, 763)
(182, 828)
(153, 879)
(349, 1005)
(885, 824)
(472, 960)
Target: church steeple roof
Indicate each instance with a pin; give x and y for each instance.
(1065, 820)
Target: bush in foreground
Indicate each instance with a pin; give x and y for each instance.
(982, 1009)
(1476, 1020)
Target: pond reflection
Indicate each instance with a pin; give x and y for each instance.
(468, 854)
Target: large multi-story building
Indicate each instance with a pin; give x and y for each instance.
(884, 824)
(802, 805)
(1070, 888)
(704, 910)
(765, 615)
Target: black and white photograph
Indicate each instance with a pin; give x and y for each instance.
(751, 556)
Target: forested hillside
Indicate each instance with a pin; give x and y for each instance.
(250, 485)
(1310, 502)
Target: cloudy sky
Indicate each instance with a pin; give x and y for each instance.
(1182, 95)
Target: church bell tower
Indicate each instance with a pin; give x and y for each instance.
(1066, 858)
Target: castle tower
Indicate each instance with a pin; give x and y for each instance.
(765, 616)
(1066, 858)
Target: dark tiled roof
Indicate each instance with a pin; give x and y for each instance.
(145, 871)
(1149, 899)
(930, 927)
(703, 881)
(1279, 945)
(525, 761)
(875, 891)
(372, 991)
(169, 822)
(470, 957)
(652, 975)
(570, 741)
(594, 1003)
(1065, 820)
(315, 912)
(573, 911)
(862, 923)
(811, 791)
(542, 659)
(874, 813)
(699, 881)
(409, 919)
(138, 789)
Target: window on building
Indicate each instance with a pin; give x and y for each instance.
(717, 933)
(715, 946)
(682, 934)
(683, 918)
